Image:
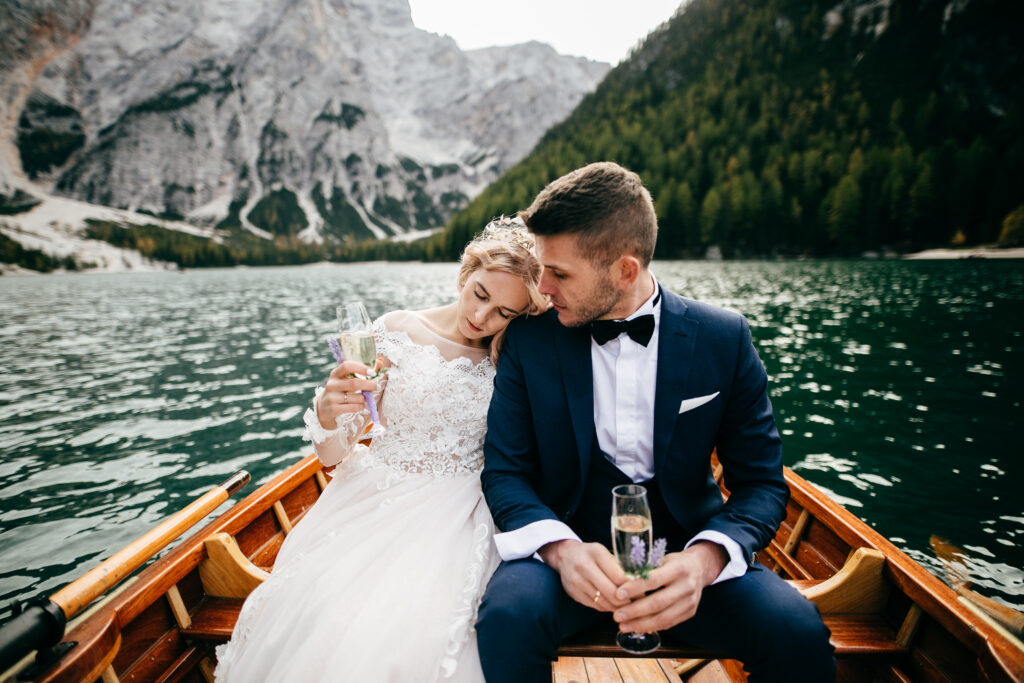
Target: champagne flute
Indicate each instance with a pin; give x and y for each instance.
(356, 343)
(356, 337)
(632, 534)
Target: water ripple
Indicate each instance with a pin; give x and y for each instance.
(896, 386)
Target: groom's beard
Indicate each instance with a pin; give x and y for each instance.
(601, 299)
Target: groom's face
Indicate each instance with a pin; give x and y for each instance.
(580, 290)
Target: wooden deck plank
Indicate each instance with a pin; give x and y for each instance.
(602, 670)
(569, 670)
(668, 666)
(613, 670)
(640, 670)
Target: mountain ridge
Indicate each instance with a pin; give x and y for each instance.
(331, 120)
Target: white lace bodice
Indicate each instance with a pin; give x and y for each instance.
(433, 404)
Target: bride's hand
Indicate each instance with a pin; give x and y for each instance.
(342, 395)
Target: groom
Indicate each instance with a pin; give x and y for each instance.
(625, 382)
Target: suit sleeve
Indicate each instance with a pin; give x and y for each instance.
(750, 451)
(511, 466)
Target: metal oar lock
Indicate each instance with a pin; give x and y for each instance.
(40, 624)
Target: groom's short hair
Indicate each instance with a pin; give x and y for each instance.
(605, 205)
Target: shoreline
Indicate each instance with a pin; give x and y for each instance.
(58, 239)
(966, 253)
(150, 266)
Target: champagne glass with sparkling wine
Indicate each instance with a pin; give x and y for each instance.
(355, 342)
(632, 534)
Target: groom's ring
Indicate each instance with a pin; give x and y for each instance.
(597, 596)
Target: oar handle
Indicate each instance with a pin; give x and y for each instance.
(77, 595)
(33, 627)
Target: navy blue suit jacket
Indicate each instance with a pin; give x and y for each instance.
(540, 425)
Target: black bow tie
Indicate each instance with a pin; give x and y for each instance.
(639, 329)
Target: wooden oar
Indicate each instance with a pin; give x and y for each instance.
(952, 559)
(41, 625)
(79, 593)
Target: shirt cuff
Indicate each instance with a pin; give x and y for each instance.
(737, 565)
(315, 431)
(525, 541)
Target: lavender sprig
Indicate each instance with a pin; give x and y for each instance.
(658, 552)
(637, 552)
(641, 560)
(339, 356)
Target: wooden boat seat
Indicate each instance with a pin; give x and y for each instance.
(849, 600)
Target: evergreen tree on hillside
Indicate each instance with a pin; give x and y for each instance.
(794, 127)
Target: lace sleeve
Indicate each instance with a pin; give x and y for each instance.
(333, 445)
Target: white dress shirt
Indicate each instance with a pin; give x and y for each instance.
(625, 375)
(624, 379)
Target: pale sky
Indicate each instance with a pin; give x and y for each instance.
(604, 30)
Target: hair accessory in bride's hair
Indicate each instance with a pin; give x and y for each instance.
(510, 230)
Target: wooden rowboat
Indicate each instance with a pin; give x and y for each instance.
(891, 620)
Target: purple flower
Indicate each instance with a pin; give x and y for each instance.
(637, 552)
(658, 552)
(339, 357)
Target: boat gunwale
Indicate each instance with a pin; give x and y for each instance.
(156, 579)
(920, 586)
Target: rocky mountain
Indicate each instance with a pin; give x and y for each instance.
(334, 119)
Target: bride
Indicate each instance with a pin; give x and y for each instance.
(382, 578)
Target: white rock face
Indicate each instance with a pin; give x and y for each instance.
(31, 34)
(340, 108)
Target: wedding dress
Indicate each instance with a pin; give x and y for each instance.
(381, 580)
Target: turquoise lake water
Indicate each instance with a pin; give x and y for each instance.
(896, 385)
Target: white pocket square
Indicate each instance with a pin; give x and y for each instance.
(691, 403)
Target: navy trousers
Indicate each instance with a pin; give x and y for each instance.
(757, 618)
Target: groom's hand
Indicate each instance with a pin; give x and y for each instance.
(590, 574)
(681, 578)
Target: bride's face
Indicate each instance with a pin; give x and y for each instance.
(488, 301)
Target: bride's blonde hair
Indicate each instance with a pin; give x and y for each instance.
(505, 245)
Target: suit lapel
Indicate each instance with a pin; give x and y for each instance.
(573, 348)
(677, 336)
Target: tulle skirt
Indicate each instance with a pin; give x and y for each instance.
(380, 581)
